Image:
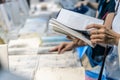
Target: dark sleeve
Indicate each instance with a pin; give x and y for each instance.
(100, 4)
(111, 7)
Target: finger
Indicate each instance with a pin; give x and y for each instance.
(65, 49)
(60, 48)
(54, 49)
(93, 32)
(81, 43)
(97, 41)
(98, 36)
(98, 32)
(97, 26)
(69, 37)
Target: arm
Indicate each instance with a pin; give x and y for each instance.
(109, 20)
(92, 5)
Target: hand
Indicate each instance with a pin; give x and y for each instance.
(80, 3)
(77, 42)
(66, 46)
(102, 34)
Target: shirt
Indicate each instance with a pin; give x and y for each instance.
(106, 7)
(116, 22)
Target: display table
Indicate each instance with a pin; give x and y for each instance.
(32, 66)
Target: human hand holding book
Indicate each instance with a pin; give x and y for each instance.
(74, 24)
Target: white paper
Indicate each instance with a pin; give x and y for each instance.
(76, 20)
(24, 46)
(60, 74)
(4, 56)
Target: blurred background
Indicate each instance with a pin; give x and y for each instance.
(26, 37)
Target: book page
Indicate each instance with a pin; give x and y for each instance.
(68, 31)
(60, 74)
(4, 56)
(76, 20)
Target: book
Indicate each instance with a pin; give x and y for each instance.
(60, 74)
(74, 24)
(4, 60)
(24, 46)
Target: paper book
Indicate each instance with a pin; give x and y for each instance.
(4, 56)
(60, 74)
(24, 46)
(74, 24)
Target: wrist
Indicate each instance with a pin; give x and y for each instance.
(74, 44)
(86, 2)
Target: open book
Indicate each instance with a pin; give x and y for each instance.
(74, 24)
(60, 74)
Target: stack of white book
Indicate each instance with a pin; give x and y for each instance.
(74, 24)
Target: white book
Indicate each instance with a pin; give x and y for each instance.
(4, 56)
(74, 24)
(60, 74)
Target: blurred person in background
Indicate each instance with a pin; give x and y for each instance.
(28, 1)
(2, 1)
(85, 9)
